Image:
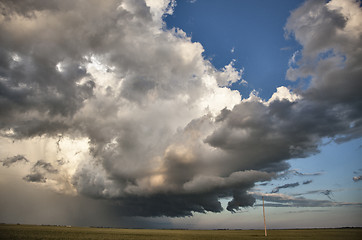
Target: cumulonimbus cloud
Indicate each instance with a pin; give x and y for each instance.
(166, 137)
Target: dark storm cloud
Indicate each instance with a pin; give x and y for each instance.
(48, 207)
(288, 185)
(240, 199)
(264, 135)
(260, 136)
(35, 127)
(150, 106)
(7, 162)
(201, 195)
(169, 205)
(42, 70)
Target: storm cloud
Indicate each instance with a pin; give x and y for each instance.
(165, 135)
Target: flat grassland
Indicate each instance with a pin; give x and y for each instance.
(33, 232)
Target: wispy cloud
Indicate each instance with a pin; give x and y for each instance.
(7, 162)
(285, 48)
(288, 185)
(48, 167)
(39, 171)
(328, 193)
(282, 200)
(307, 211)
(295, 172)
(307, 182)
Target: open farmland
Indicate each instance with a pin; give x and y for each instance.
(31, 232)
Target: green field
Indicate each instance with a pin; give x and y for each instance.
(32, 232)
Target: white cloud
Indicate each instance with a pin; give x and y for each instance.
(228, 75)
(284, 93)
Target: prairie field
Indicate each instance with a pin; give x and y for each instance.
(32, 232)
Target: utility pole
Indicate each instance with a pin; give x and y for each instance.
(264, 218)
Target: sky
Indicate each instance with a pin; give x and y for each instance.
(181, 114)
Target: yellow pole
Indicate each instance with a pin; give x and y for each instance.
(264, 218)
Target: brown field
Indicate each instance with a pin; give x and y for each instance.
(32, 232)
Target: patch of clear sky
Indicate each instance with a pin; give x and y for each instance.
(253, 29)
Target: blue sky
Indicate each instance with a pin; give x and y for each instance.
(255, 33)
(181, 114)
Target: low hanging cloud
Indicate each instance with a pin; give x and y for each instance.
(7, 162)
(35, 177)
(39, 171)
(165, 134)
(48, 167)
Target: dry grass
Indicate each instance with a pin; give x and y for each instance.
(32, 232)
